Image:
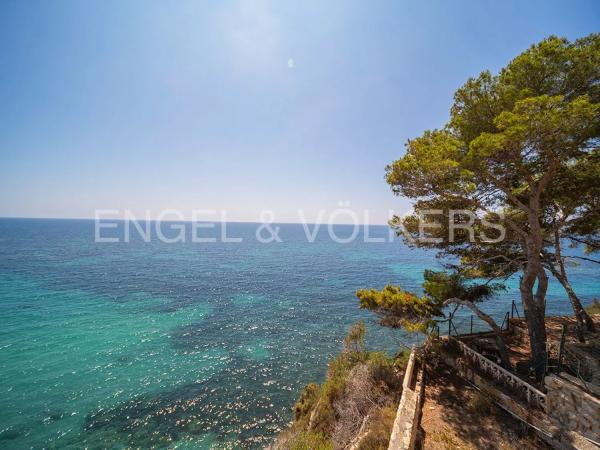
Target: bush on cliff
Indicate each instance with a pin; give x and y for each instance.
(354, 403)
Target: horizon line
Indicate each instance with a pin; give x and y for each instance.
(193, 221)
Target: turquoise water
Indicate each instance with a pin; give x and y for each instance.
(186, 345)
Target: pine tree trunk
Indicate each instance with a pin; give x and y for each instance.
(578, 308)
(536, 328)
(584, 321)
(535, 311)
(534, 305)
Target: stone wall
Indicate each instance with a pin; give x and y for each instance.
(404, 432)
(573, 408)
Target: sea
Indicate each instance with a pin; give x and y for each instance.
(144, 343)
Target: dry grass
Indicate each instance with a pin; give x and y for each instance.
(380, 429)
(445, 439)
(353, 408)
(480, 404)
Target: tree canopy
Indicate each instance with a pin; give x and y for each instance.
(514, 143)
(398, 308)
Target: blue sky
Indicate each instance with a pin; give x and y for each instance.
(238, 105)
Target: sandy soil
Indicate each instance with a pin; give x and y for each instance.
(456, 416)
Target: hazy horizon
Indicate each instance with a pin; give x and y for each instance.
(167, 220)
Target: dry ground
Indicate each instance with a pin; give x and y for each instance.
(456, 416)
(518, 341)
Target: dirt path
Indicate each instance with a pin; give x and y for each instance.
(456, 416)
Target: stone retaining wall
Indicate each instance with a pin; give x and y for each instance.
(404, 432)
(573, 408)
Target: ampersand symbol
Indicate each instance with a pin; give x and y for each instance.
(267, 218)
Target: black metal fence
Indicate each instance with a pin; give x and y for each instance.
(565, 359)
(465, 324)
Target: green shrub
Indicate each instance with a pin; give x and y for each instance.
(355, 340)
(594, 308)
(324, 418)
(318, 400)
(310, 441)
(380, 429)
(315, 414)
(306, 402)
(401, 359)
(337, 374)
(384, 371)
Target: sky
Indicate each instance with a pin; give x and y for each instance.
(239, 106)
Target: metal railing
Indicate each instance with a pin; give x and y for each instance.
(568, 360)
(452, 328)
(513, 310)
(468, 323)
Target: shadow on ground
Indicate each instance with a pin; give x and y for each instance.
(457, 416)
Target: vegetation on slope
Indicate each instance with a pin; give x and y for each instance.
(355, 405)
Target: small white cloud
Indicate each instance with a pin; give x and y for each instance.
(291, 63)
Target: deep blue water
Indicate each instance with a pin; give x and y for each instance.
(199, 345)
